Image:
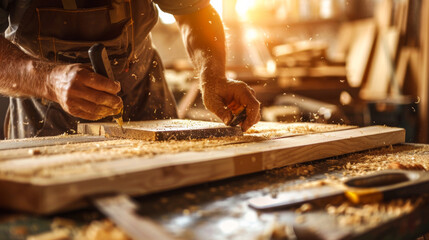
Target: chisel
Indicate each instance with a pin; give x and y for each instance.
(381, 186)
(101, 65)
(238, 114)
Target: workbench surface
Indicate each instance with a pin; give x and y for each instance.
(219, 210)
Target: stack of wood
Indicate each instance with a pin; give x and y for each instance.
(379, 55)
(394, 73)
(393, 69)
(306, 59)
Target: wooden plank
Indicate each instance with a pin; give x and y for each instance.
(121, 147)
(359, 55)
(160, 130)
(137, 175)
(383, 14)
(48, 141)
(344, 41)
(382, 69)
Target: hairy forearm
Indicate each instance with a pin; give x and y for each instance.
(204, 39)
(21, 74)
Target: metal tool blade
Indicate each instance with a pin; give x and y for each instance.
(296, 198)
(238, 118)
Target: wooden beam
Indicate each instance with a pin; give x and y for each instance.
(360, 52)
(47, 141)
(383, 66)
(137, 175)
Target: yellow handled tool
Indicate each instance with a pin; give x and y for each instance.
(385, 185)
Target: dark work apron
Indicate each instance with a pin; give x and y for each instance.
(50, 31)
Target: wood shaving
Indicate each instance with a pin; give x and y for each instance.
(306, 207)
(300, 219)
(382, 159)
(274, 230)
(417, 166)
(56, 234)
(101, 230)
(371, 214)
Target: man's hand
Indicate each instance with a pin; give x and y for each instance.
(204, 39)
(78, 90)
(83, 93)
(220, 93)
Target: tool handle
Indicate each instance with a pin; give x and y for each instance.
(238, 118)
(386, 185)
(238, 113)
(100, 61)
(381, 179)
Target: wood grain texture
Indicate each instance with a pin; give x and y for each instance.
(160, 130)
(47, 141)
(40, 158)
(138, 176)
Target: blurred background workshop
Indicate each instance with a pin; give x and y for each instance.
(340, 152)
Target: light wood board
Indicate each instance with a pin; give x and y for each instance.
(143, 175)
(382, 68)
(359, 55)
(161, 130)
(47, 141)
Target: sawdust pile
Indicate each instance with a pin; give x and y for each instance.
(371, 214)
(400, 157)
(404, 157)
(96, 230)
(101, 230)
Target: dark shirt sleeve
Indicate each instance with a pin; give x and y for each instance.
(4, 14)
(181, 7)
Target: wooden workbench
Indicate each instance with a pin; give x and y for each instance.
(219, 210)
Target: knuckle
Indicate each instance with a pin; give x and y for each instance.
(242, 85)
(100, 110)
(69, 101)
(74, 111)
(75, 80)
(117, 102)
(99, 99)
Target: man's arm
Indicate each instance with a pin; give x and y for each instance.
(79, 91)
(204, 39)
